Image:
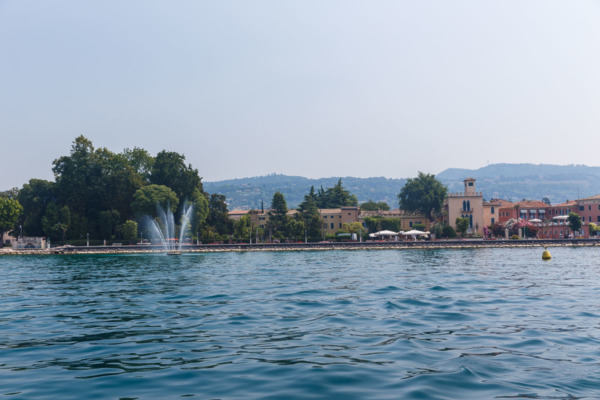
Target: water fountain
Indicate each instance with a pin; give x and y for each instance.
(163, 228)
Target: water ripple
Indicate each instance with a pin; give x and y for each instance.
(410, 324)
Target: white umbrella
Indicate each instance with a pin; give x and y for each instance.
(535, 220)
(561, 217)
(386, 233)
(415, 232)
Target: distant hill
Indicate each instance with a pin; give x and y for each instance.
(528, 181)
(508, 181)
(248, 193)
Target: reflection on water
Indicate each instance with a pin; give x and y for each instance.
(410, 324)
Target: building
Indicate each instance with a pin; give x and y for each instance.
(333, 218)
(407, 219)
(468, 204)
(491, 210)
(7, 240)
(526, 209)
(30, 243)
(589, 209)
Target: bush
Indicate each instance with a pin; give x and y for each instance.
(448, 232)
(514, 237)
(419, 227)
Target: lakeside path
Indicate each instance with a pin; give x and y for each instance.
(210, 248)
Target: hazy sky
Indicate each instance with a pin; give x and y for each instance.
(311, 88)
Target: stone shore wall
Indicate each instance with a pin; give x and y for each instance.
(209, 248)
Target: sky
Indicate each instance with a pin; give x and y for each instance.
(308, 88)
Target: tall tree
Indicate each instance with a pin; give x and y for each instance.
(308, 213)
(335, 197)
(575, 222)
(170, 170)
(424, 194)
(140, 161)
(74, 176)
(278, 219)
(147, 198)
(462, 224)
(10, 210)
(218, 215)
(35, 197)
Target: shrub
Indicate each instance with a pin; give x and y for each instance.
(448, 232)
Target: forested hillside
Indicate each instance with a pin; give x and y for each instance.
(509, 181)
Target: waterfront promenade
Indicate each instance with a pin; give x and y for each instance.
(321, 246)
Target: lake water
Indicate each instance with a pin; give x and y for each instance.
(386, 324)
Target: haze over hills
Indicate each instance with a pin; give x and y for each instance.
(508, 181)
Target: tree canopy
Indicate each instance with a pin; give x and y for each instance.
(335, 197)
(575, 222)
(424, 194)
(374, 206)
(97, 191)
(10, 210)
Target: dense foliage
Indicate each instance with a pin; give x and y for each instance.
(424, 194)
(106, 194)
(10, 209)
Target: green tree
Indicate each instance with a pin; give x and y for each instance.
(575, 222)
(148, 197)
(390, 224)
(373, 224)
(169, 169)
(75, 175)
(109, 221)
(309, 214)
(35, 197)
(374, 206)
(129, 230)
(140, 161)
(462, 224)
(218, 215)
(296, 228)
(335, 197)
(278, 219)
(424, 194)
(200, 213)
(10, 210)
(448, 232)
(242, 228)
(352, 227)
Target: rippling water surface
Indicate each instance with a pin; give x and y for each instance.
(393, 324)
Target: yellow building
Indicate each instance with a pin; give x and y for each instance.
(407, 219)
(468, 204)
(491, 210)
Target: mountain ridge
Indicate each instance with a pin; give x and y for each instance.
(508, 181)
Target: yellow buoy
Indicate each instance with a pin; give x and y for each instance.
(546, 254)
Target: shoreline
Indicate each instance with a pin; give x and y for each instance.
(261, 247)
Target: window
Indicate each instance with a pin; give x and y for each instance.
(590, 207)
(493, 221)
(468, 205)
(464, 205)
(590, 218)
(332, 225)
(581, 208)
(340, 225)
(598, 218)
(470, 183)
(492, 211)
(410, 224)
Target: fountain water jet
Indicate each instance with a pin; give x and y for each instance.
(163, 228)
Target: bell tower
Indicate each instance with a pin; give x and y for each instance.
(469, 187)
